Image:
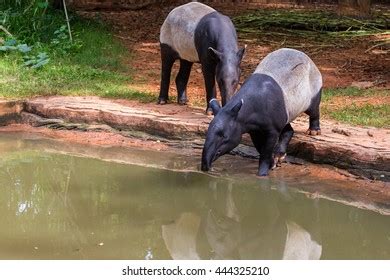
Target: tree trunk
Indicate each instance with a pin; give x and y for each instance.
(57, 4)
(364, 7)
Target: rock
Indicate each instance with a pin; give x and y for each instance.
(341, 131)
(147, 118)
(10, 111)
(362, 85)
(348, 147)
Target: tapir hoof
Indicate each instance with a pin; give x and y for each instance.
(278, 160)
(182, 102)
(313, 132)
(161, 101)
(262, 174)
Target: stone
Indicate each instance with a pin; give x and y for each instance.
(362, 85)
(10, 111)
(354, 150)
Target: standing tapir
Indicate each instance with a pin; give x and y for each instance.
(284, 84)
(192, 33)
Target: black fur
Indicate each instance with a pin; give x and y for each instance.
(314, 112)
(216, 31)
(168, 57)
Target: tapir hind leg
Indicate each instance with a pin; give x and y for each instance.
(168, 57)
(314, 115)
(182, 81)
(281, 148)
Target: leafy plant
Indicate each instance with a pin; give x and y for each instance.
(31, 21)
(34, 29)
(36, 61)
(11, 45)
(33, 61)
(62, 43)
(28, 20)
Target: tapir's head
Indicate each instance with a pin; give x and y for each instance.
(224, 133)
(227, 71)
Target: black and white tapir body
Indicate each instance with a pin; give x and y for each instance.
(284, 84)
(192, 33)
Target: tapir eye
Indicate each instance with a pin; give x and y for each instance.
(234, 82)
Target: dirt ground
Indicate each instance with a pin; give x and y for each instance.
(342, 65)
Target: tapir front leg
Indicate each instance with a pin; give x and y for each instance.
(208, 70)
(266, 155)
(265, 144)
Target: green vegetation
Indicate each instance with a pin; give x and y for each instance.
(349, 109)
(39, 58)
(317, 21)
(95, 69)
(368, 115)
(317, 26)
(329, 93)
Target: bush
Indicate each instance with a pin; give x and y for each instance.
(36, 30)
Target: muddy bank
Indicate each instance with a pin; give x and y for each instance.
(10, 111)
(361, 151)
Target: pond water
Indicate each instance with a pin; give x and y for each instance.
(59, 206)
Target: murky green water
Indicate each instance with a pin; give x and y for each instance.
(56, 206)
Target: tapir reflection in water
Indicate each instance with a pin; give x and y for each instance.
(192, 33)
(231, 233)
(285, 84)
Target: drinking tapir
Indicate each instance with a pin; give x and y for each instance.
(284, 84)
(192, 33)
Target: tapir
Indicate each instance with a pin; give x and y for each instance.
(193, 33)
(284, 84)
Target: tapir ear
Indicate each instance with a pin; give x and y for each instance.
(215, 54)
(241, 52)
(214, 105)
(236, 108)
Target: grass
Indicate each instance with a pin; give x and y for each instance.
(311, 28)
(329, 93)
(97, 68)
(366, 115)
(349, 110)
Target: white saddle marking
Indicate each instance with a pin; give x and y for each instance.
(179, 27)
(296, 74)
